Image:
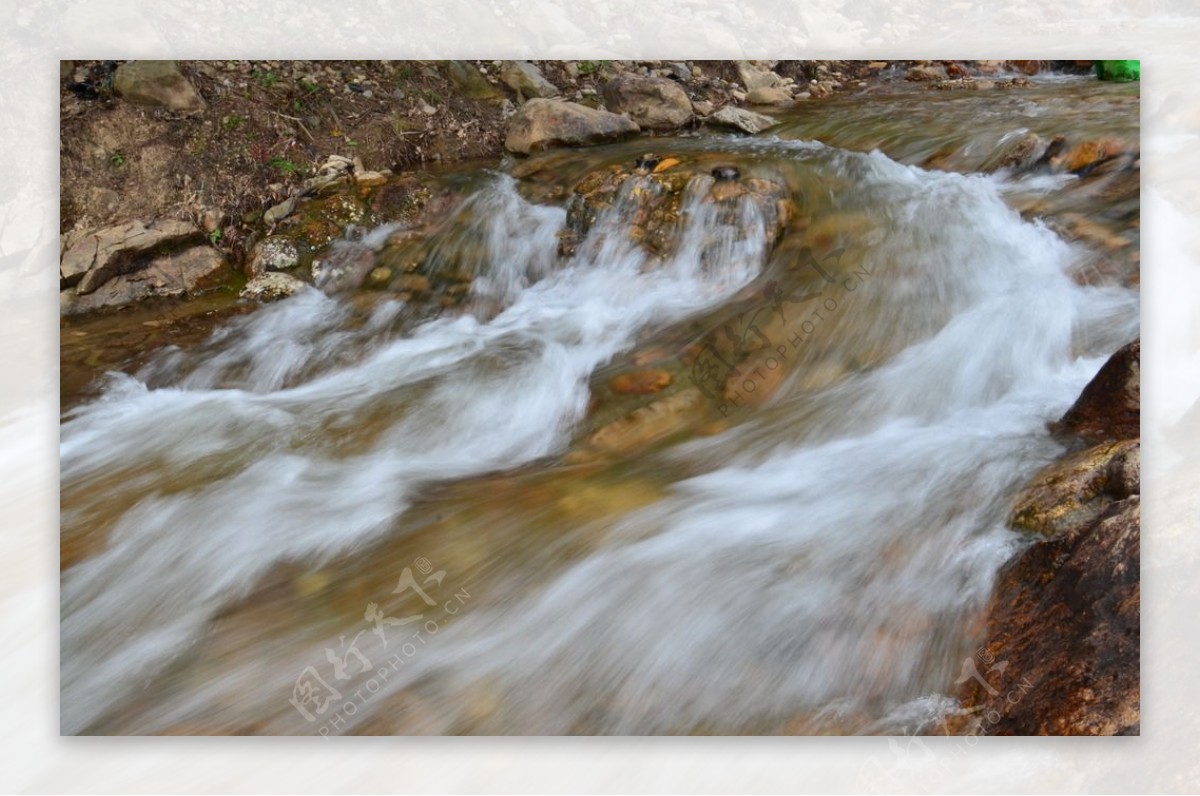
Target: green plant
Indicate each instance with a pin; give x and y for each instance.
(266, 79)
(117, 160)
(308, 88)
(233, 122)
(431, 96)
(590, 67)
(284, 165)
(215, 237)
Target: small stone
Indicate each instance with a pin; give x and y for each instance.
(272, 286)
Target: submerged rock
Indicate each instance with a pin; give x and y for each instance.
(655, 103)
(652, 423)
(543, 124)
(641, 382)
(655, 201)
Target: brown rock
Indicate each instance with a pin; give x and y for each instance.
(1025, 67)
(654, 103)
(1109, 408)
(652, 423)
(1076, 490)
(769, 95)
(527, 80)
(272, 286)
(925, 73)
(542, 124)
(189, 272)
(156, 83)
(1064, 632)
(93, 259)
(641, 382)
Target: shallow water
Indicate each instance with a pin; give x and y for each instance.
(344, 515)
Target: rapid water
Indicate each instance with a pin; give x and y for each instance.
(318, 473)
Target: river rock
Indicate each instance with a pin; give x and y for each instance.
(754, 77)
(641, 382)
(1064, 620)
(274, 253)
(1076, 490)
(654, 222)
(1085, 155)
(543, 123)
(654, 103)
(1109, 408)
(93, 259)
(769, 95)
(272, 287)
(169, 275)
(678, 70)
(652, 423)
(1025, 67)
(927, 73)
(741, 119)
(1063, 635)
(527, 80)
(156, 83)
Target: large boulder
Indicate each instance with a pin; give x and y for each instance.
(527, 80)
(543, 124)
(167, 275)
(1063, 646)
(1109, 408)
(91, 260)
(655, 103)
(1064, 622)
(156, 83)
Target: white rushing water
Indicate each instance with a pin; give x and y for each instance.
(269, 485)
(825, 562)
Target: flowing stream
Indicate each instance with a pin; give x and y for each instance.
(343, 514)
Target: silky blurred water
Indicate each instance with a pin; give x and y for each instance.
(260, 520)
